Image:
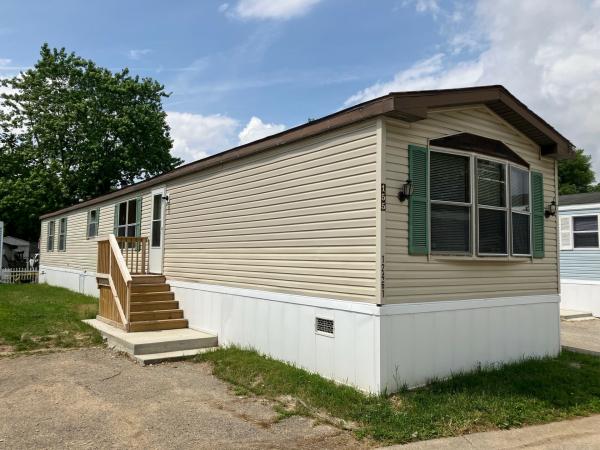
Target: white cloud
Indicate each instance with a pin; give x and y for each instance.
(256, 129)
(549, 57)
(4, 62)
(223, 7)
(272, 9)
(423, 6)
(196, 136)
(139, 53)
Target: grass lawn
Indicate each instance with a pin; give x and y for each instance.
(530, 392)
(34, 316)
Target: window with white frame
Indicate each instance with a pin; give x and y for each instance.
(92, 223)
(450, 194)
(127, 218)
(62, 234)
(50, 236)
(481, 200)
(585, 232)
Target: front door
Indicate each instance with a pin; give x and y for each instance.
(157, 226)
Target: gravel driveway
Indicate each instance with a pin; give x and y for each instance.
(581, 335)
(93, 398)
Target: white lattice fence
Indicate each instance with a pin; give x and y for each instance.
(15, 276)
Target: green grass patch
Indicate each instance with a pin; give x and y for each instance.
(38, 316)
(525, 393)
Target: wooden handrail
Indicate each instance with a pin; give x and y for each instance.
(112, 265)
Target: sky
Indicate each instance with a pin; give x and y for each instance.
(239, 70)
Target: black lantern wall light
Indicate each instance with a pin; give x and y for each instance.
(550, 209)
(406, 191)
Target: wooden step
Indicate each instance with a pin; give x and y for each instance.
(153, 325)
(152, 296)
(156, 315)
(153, 306)
(152, 287)
(148, 279)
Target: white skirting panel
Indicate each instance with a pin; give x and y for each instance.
(283, 327)
(580, 295)
(376, 348)
(420, 342)
(80, 281)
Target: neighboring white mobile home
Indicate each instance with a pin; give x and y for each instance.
(395, 241)
(580, 252)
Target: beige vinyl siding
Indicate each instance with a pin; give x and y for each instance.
(411, 278)
(81, 253)
(298, 219)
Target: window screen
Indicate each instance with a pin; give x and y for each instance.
(585, 232)
(62, 234)
(50, 238)
(450, 177)
(491, 185)
(520, 211)
(492, 231)
(492, 211)
(450, 228)
(93, 219)
(450, 203)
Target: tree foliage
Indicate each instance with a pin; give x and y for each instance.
(71, 130)
(576, 175)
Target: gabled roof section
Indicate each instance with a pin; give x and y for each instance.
(413, 106)
(408, 106)
(479, 144)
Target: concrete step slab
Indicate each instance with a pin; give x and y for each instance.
(148, 342)
(569, 314)
(155, 358)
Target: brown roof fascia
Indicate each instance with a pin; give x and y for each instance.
(416, 104)
(408, 106)
(364, 111)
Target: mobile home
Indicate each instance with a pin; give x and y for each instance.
(580, 252)
(398, 240)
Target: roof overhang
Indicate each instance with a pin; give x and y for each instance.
(414, 106)
(408, 106)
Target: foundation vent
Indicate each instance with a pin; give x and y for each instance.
(324, 326)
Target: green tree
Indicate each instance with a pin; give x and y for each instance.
(576, 175)
(71, 130)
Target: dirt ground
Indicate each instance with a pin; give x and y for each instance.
(93, 398)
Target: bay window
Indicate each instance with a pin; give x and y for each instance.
(475, 199)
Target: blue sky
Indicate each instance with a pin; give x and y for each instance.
(241, 69)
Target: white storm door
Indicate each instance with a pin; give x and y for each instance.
(157, 227)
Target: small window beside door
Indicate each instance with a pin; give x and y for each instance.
(157, 212)
(127, 218)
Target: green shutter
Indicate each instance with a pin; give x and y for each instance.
(138, 217)
(116, 224)
(418, 230)
(65, 239)
(537, 216)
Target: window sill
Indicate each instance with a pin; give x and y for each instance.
(478, 259)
